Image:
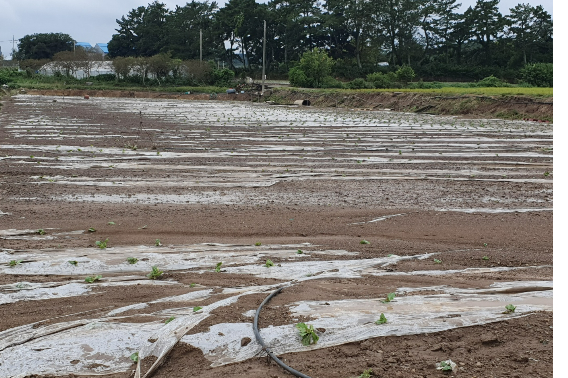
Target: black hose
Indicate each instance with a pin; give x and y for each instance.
(261, 341)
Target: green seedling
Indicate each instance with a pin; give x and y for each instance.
(390, 297)
(111, 223)
(73, 262)
(91, 229)
(382, 319)
(41, 231)
(132, 260)
(15, 262)
(269, 263)
(158, 243)
(299, 252)
(485, 258)
(169, 319)
(437, 261)
(102, 244)
(485, 244)
(390, 255)
(445, 366)
(258, 244)
(546, 174)
(155, 273)
(197, 308)
(192, 285)
(366, 374)
(364, 242)
(92, 279)
(134, 357)
(218, 267)
(509, 309)
(307, 333)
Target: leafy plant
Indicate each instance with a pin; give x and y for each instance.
(158, 243)
(485, 258)
(389, 298)
(218, 267)
(169, 319)
(111, 223)
(258, 244)
(41, 231)
(197, 308)
(299, 252)
(437, 261)
(132, 260)
(15, 262)
(192, 285)
(91, 229)
(92, 279)
(269, 263)
(134, 357)
(382, 319)
(366, 374)
(509, 309)
(155, 273)
(444, 366)
(307, 333)
(73, 262)
(364, 242)
(102, 244)
(546, 174)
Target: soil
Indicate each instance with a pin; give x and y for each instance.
(241, 184)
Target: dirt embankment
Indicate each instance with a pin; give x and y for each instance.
(508, 107)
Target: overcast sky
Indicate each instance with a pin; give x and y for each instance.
(94, 21)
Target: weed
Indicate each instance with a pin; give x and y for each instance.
(546, 174)
(269, 263)
(444, 366)
(134, 357)
(364, 242)
(258, 244)
(389, 298)
(158, 243)
(485, 244)
(155, 273)
(102, 244)
(366, 374)
(218, 267)
(15, 262)
(509, 309)
(92, 279)
(299, 252)
(91, 229)
(132, 260)
(307, 333)
(73, 262)
(169, 319)
(41, 231)
(382, 319)
(437, 261)
(192, 285)
(197, 308)
(485, 258)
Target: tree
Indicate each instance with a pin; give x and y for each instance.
(316, 65)
(43, 45)
(529, 25)
(487, 23)
(123, 66)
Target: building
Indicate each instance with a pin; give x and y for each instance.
(101, 48)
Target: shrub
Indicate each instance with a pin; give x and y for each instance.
(222, 77)
(298, 78)
(491, 82)
(359, 84)
(405, 74)
(380, 80)
(315, 65)
(539, 75)
(330, 82)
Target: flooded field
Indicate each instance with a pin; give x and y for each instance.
(139, 237)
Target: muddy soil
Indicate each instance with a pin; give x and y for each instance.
(346, 205)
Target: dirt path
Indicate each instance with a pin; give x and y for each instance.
(453, 215)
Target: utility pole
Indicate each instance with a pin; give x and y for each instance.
(200, 46)
(264, 58)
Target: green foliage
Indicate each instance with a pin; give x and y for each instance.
(218, 267)
(158, 243)
(298, 78)
(41, 231)
(43, 45)
(437, 261)
(364, 242)
(258, 244)
(269, 263)
(134, 357)
(222, 77)
(330, 82)
(299, 252)
(73, 262)
(509, 309)
(405, 74)
(169, 319)
(359, 84)
(366, 374)
(491, 82)
(382, 319)
(155, 273)
(92, 279)
(13, 263)
(380, 80)
(101, 244)
(132, 260)
(539, 75)
(91, 229)
(315, 66)
(445, 366)
(111, 223)
(389, 298)
(307, 334)
(197, 308)
(485, 258)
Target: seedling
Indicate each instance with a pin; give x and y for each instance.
(437, 261)
(218, 267)
(364, 242)
(169, 319)
(91, 229)
(485, 244)
(366, 374)
(102, 244)
(155, 273)
(509, 309)
(192, 285)
(158, 243)
(73, 262)
(15, 262)
(92, 279)
(258, 244)
(307, 333)
(485, 258)
(197, 308)
(546, 173)
(111, 223)
(299, 252)
(390, 297)
(132, 260)
(444, 366)
(382, 319)
(41, 231)
(269, 263)
(134, 357)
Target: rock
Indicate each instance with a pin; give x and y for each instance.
(245, 341)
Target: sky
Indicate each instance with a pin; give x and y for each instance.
(95, 21)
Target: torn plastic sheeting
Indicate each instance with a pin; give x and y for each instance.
(353, 320)
(67, 290)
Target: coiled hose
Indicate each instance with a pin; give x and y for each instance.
(261, 341)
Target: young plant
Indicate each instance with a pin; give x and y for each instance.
(437, 261)
(382, 319)
(269, 263)
(299, 252)
(192, 285)
(509, 309)
(218, 267)
(91, 229)
(111, 223)
(169, 319)
(73, 262)
(102, 244)
(307, 333)
(13, 263)
(258, 244)
(158, 243)
(366, 374)
(132, 260)
(197, 308)
(445, 366)
(92, 279)
(389, 298)
(485, 258)
(364, 242)
(41, 231)
(155, 273)
(134, 357)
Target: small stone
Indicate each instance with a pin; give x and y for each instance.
(245, 341)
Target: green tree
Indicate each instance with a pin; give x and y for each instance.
(316, 65)
(487, 24)
(529, 25)
(43, 45)
(123, 66)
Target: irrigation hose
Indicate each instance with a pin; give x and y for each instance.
(264, 346)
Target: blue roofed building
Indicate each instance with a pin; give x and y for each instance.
(85, 45)
(102, 48)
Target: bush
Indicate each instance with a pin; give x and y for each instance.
(539, 75)
(222, 77)
(315, 65)
(330, 82)
(491, 82)
(298, 78)
(380, 80)
(425, 85)
(405, 74)
(359, 84)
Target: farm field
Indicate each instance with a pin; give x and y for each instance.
(230, 201)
